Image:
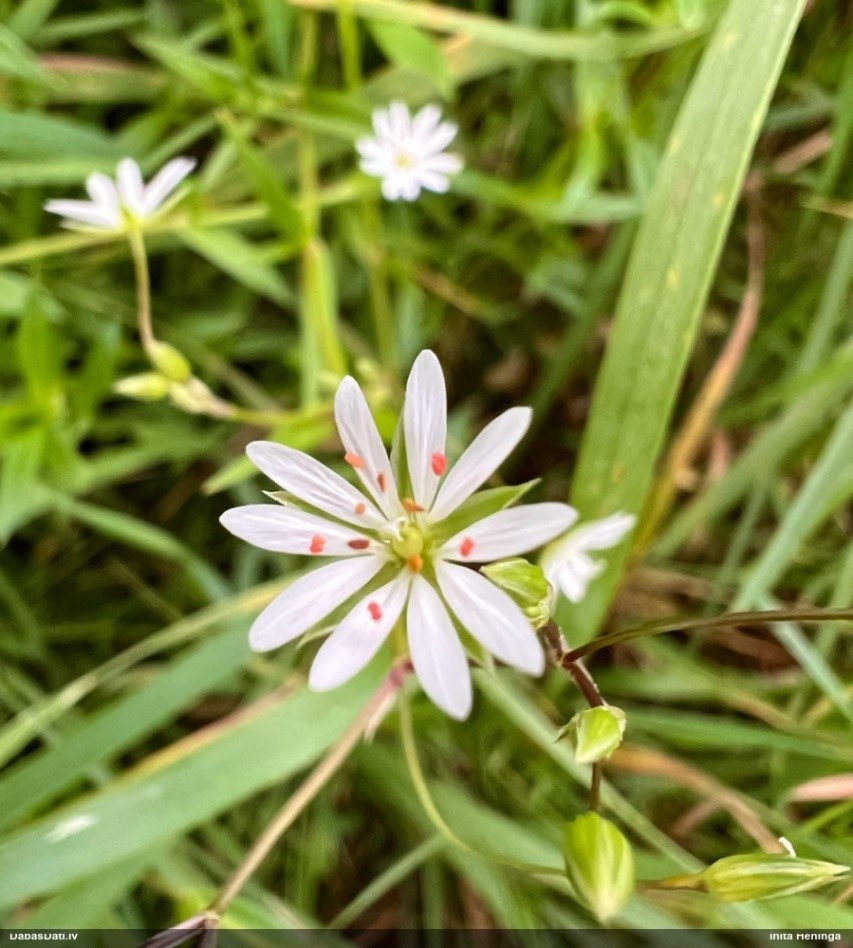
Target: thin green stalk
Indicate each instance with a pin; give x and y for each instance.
(410, 752)
(143, 290)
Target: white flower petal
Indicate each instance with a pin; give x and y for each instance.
(425, 426)
(102, 191)
(410, 188)
(424, 124)
(131, 188)
(364, 447)
(571, 575)
(381, 119)
(601, 534)
(447, 163)
(358, 638)
(165, 182)
(509, 533)
(391, 188)
(313, 483)
(441, 137)
(480, 460)
(290, 530)
(399, 122)
(437, 183)
(491, 616)
(437, 654)
(85, 213)
(309, 600)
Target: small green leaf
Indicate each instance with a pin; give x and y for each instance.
(480, 505)
(408, 46)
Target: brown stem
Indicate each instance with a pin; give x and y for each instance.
(754, 618)
(308, 790)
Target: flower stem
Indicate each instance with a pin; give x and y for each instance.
(812, 614)
(308, 790)
(143, 289)
(410, 752)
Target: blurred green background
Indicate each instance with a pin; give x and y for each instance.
(669, 182)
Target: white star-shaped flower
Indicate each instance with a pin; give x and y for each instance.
(114, 203)
(566, 563)
(394, 553)
(408, 153)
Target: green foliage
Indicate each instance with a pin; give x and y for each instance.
(143, 746)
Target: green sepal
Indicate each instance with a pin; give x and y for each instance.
(599, 864)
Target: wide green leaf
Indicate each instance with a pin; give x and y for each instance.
(670, 271)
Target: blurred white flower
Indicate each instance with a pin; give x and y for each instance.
(408, 153)
(113, 203)
(389, 543)
(566, 563)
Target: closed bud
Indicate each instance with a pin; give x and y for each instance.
(146, 387)
(595, 733)
(767, 876)
(168, 360)
(599, 864)
(192, 396)
(527, 586)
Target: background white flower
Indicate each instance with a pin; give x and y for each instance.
(388, 543)
(112, 202)
(408, 151)
(566, 563)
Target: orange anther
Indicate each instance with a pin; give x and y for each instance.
(358, 544)
(317, 544)
(354, 460)
(382, 481)
(415, 563)
(466, 546)
(360, 508)
(439, 463)
(410, 506)
(375, 611)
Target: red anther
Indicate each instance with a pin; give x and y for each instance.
(317, 544)
(439, 463)
(410, 506)
(415, 563)
(466, 546)
(354, 460)
(382, 481)
(374, 610)
(358, 544)
(360, 508)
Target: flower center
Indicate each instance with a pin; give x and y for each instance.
(403, 161)
(409, 543)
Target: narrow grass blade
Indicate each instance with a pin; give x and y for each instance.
(673, 261)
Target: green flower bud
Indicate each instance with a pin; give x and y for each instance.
(192, 396)
(595, 733)
(599, 864)
(168, 360)
(146, 387)
(767, 876)
(527, 586)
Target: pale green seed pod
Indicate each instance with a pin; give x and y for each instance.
(527, 586)
(168, 360)
(599, 864)
(767, 876)
(595, 733)
(145, 387)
